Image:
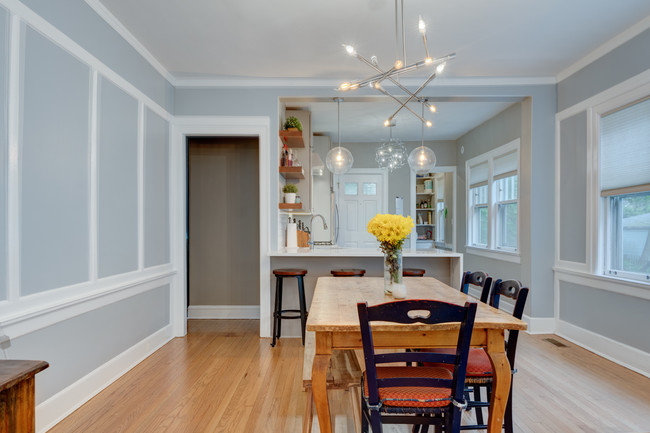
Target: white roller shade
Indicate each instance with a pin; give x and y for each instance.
(478, 174)
(506, 165)
(625, 148)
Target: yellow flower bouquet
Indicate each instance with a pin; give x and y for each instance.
(391, 230)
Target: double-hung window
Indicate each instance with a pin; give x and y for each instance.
(493, 199)
(625, 190)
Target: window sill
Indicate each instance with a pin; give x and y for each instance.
(507, 256)
(636, 288)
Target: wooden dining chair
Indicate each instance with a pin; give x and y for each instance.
(478, 279)
(479, 368)
(420, 396)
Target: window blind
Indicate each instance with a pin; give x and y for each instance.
(478, 174)
(625, 150)
(505, 165)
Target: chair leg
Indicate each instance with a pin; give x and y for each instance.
(364, 423)
(303, 307)
(375, 421)
(308, 416)
(478, 410)
(276, 309)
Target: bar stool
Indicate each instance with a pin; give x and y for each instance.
(412, 272)
(348, 272)
(278, 312)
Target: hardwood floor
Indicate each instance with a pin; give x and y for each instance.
(222, 378)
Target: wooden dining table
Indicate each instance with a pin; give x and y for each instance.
(334, 320)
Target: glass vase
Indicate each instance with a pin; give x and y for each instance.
(393, 280)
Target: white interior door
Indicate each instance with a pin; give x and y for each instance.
(361, 196)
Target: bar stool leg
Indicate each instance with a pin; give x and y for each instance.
(303, 307)
(276, 309)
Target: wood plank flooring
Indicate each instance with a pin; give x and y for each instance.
(222, 378)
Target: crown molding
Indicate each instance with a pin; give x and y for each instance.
(117, 25)
(210, 82)
(605, 48)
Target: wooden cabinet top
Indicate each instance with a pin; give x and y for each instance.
(15, 371)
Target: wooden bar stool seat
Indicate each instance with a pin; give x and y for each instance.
(278, 312)
(413, 272)
(348, 272)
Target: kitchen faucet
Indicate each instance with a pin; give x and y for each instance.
(311, 225)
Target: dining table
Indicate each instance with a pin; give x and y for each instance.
(334, 320)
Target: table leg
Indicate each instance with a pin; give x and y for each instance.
(502, 378)
(319, 380)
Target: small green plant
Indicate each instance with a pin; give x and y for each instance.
(293, 122)
(290, 188)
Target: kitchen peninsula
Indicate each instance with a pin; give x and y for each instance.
(443, 265)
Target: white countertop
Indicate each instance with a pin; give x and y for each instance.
(357, 252)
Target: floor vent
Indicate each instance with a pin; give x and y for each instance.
(554, 342)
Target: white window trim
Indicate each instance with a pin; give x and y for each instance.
(598, 229)
(492, 251)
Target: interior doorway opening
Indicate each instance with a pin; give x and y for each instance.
(223, 227)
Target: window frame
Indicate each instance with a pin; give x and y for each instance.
(492, 248)
(599, 233)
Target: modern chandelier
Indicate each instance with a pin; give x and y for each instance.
(398, 68)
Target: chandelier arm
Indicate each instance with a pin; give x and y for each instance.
(362, 83)
(414, 95)
(400, 102)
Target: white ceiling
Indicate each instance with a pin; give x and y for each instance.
(301, 39)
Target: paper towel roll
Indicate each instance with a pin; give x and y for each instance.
(292, 235)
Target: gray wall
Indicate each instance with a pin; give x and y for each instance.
(626, 318)
(80, 23)
(80, 205)
(4, 63)
(540, 126)
(77, 346)
(224, 221)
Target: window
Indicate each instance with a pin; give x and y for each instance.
(625, 190)
(351, 188)
(493, 199)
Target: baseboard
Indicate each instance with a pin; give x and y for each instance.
(223, 312)
(54, 409)
(540, 325)
(622, 354)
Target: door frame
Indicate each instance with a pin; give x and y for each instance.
(215, 126)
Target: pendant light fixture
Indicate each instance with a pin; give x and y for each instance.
(391, 154)
(339, 159)
(422, 159)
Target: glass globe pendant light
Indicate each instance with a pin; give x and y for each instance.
(422, 159)
(391, 154)
(339, 159)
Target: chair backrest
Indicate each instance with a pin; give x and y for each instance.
(478, 279)
(510, 289)
(417, 311)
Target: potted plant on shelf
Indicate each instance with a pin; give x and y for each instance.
(292, 124)
(290, 191)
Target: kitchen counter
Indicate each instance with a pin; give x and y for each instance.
(357, 252)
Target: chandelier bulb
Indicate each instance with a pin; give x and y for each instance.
(432, 108)
(428, 60)
(440, 68)
(422, 27)
(398, 64)
(429, 124)
(344, 86)
(387, 122)
(350, 49)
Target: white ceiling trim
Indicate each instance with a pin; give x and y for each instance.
(112, 21)
(605, 48)
(315, 82)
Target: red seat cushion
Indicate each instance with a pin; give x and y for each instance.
(412, 396)
(478, 361)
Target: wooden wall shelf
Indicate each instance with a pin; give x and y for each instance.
(292, 138)
(287, 206)
(292, 172)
